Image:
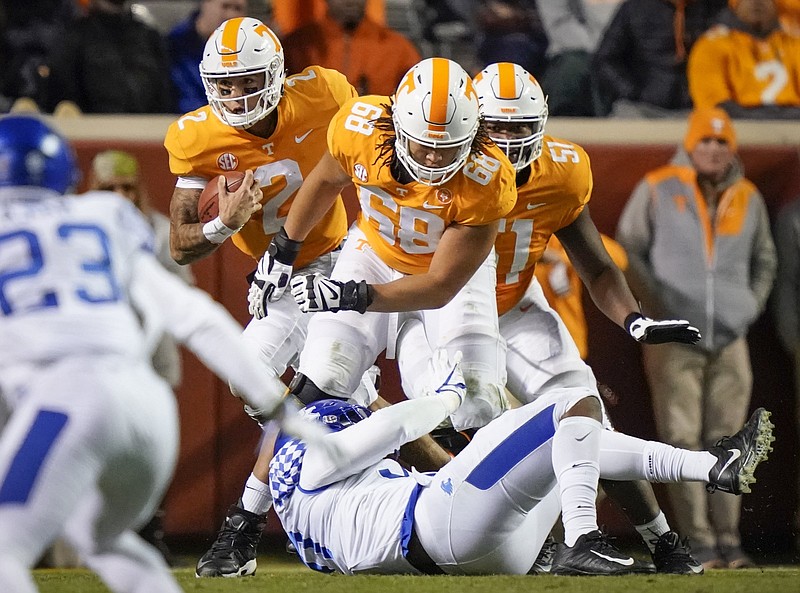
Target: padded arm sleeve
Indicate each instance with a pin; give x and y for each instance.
(206, 328)
(363, 444)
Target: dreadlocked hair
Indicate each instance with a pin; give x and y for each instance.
(386, 146)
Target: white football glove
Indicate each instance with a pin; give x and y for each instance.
(653, 331)
(316, 292)
(269, 283)
(272, 275)
(447, 374)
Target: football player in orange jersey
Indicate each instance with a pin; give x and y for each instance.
(273, 128)
(554, 183)
(747, 64)
(432, 188)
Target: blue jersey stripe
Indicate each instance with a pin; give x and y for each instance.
(513, 449)
(25, 467)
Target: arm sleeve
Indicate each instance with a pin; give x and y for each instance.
(634, 234)
(736, 111)
(363, 444)
(62, 84)
(787, 287)
(565, 30)
(611, 71)
(707, 71)
(206, 328)
(764, 260)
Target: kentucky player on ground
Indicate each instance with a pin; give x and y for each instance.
(487, 511)
(432, 189)
(93, 436)
(554, 183)
(274, 129)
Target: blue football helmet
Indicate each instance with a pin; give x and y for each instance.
(336, 414)
(34, 154)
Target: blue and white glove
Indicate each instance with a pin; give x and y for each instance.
(272, 275)
(316, 292)
(447, 374)
(653, 331)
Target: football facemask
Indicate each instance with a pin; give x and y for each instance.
(436, 107)
(515, 110)
(239, 48)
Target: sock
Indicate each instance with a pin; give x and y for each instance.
(256, 497)
(623, 457)
(651, 531)
(576, 455)
(665, 463)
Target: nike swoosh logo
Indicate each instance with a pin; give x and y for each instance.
(299, 139)
(534, 206)
(431, 206)
(735, 454)
(583, 437)
(625, 562)
(696, 569)
(525, 307)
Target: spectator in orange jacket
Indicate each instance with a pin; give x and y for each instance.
(747, 64)
(371, 55)
(290, 15)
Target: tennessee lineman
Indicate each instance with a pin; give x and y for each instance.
(554, 183)
(92, 439)
(432, 189)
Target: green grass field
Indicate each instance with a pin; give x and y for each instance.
(278, 574)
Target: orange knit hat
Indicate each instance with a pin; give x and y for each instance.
(709, 122)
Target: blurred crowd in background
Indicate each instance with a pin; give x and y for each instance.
(627, 58)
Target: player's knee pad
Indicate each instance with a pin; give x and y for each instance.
(306, 391)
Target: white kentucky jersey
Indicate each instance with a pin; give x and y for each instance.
(64, 275)
(356, 525)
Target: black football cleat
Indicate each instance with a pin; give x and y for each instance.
(739, 455)
(673, 556)
(544, 561)
(592, 554)
(233, 553)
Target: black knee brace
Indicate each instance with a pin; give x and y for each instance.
(304, 390)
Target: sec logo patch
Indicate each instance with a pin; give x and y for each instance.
(227, 161)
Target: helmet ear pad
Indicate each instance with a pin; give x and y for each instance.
(435, 106)
(509, 94)
(243, 46)
(32, 153)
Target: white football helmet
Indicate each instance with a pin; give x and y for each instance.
(510, 94)
(238, 47)
(436, 106)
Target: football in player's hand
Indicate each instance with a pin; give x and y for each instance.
(208, 204)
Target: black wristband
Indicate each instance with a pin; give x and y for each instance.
(356, 296)
(630, 319)
(284, 249)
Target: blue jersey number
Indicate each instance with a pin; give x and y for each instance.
(27, 243)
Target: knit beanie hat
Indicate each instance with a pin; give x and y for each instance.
(709, 122)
